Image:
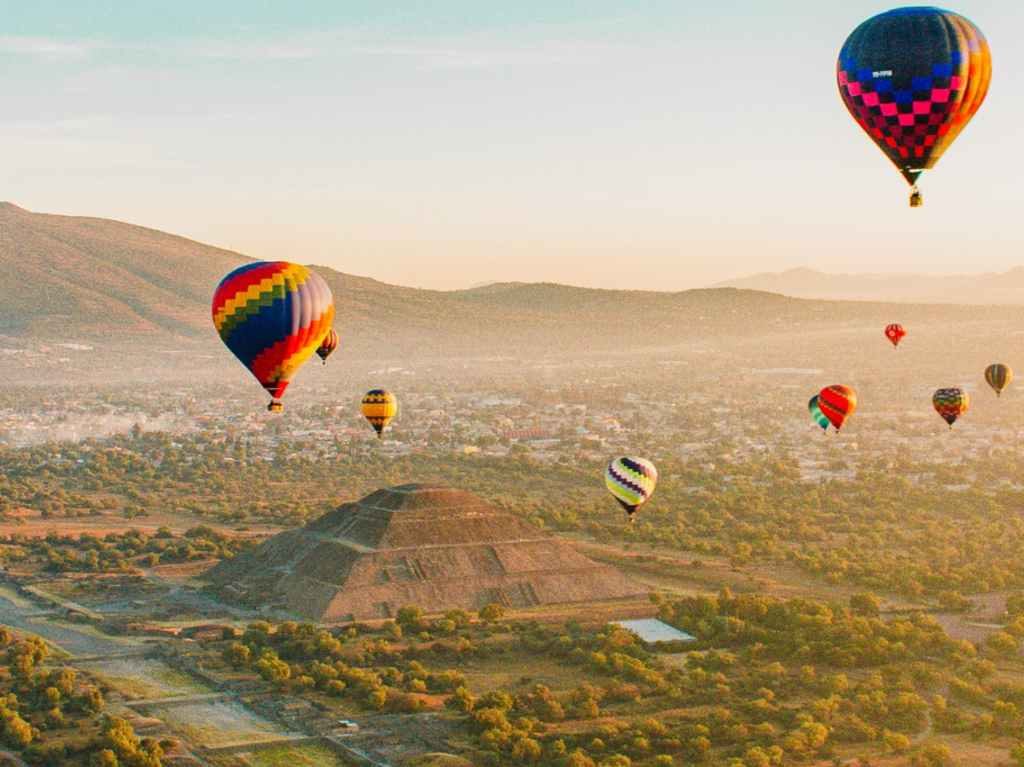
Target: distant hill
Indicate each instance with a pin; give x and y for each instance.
(98, 275)
(979, 289)
(72, 278)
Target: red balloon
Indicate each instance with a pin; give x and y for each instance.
(895, 333)
(837, 403)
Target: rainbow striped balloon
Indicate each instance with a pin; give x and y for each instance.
(273, 315)
(631, 481)
(951, 403)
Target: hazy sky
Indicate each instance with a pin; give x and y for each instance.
(660, 145)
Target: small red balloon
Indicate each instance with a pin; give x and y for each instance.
(895, 333)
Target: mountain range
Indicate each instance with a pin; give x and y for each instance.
(979, 289)
(87, 278)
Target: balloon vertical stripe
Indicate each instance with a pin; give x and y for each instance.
(998, 376)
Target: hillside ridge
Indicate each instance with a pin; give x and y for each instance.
(82, 278)
(986, 288)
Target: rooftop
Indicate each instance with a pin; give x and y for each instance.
(651, 630)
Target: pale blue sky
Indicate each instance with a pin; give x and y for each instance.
(658, 145)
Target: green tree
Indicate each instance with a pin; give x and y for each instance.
(866, 604)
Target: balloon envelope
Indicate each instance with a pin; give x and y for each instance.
(837, 403)
(998, 376)
(951, 403)
(913, 78)
(631, 481)
(328, 345)
(273, 315)
(895, 333)
(379, 407)
(816, 415)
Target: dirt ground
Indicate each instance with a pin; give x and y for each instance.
(966, 753)
(143, 678)
(182, 572)
(687, 573)
(218, 723)
(513, 672)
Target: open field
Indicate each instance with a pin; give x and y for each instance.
(219, 723)
(515, 672)
(284, 755)
(682, 573)
(144, 678)
(966, 753)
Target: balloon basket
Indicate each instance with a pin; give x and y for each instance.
(275, 407)
(916, 199)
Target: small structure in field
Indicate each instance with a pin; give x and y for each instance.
(653, 631)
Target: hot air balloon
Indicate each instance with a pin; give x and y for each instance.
(913, 78)
(998, 376)
(329, 344)
(816, 415)
(895, 333)
(631, 482)
(951, 404)
(379, 407)
(273, 315)
(837, 403)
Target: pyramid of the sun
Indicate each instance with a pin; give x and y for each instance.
(422, 545)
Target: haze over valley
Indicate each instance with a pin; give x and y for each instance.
(467, 384)
(148, 497)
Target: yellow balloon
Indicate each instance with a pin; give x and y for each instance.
(998, 376)
(379, 407)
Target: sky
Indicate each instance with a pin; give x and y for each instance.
(660, 145)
